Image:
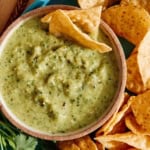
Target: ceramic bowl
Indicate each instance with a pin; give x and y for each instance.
(117, 99)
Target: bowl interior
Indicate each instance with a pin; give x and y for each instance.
(117, 100)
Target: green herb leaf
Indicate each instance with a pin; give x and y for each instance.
(25, 143)
(12, 144)
(12, 138)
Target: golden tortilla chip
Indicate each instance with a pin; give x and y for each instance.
(138, 76)
(133, 149)
(116, 123)
(130, 22)
(129, 138)
(99, 146)
(87, 20)
(85, 4)
(143, 51)
(120, 127)
(47, 18)
(143, 3)
(67, 145)
(133, 126)
(60, 24)
(125, 101)
(114, 145)
(141, 110)
(85, 143)
(134, 79)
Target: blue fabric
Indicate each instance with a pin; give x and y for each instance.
(42, 3)
(37, 4)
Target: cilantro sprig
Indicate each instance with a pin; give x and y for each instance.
(12, 138)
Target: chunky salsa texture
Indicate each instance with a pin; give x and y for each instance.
(52, 84)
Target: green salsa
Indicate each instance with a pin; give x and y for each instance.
(52, 84)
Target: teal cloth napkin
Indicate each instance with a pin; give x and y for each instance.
(42, 3)
(127, 46)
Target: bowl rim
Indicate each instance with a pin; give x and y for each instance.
(118, 97)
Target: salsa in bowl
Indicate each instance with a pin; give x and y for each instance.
(56, 89)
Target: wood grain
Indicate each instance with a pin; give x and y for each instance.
(6, 9)
(11, 10)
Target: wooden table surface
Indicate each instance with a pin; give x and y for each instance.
(8, 9)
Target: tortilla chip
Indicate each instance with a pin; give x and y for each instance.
(143, 3)
(113, 145)
(134, 79)
(47, 18)
(125, 101)
(85, 143)
(130, 22)
(99, 146)
(67, 145)
(144, 58)
(138, 76)
(120, 127)
(129, 138)
(133, 126)
(109, 3)
(116, 123)
(141, 110)
(60, 24)
(133, 149)
(87, 20)
(85, 4)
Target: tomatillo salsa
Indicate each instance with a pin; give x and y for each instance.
(52, 84)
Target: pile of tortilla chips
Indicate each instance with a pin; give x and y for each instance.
(129, 127)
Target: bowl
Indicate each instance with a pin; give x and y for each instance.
(92, 126)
